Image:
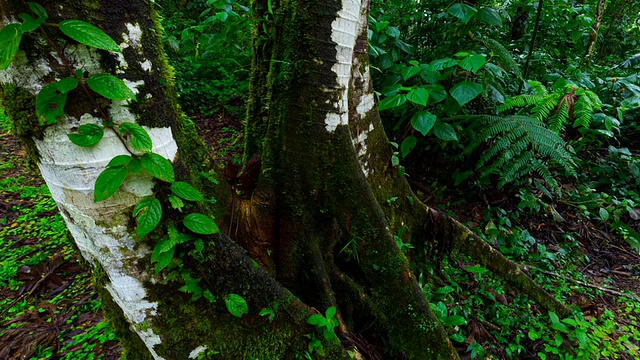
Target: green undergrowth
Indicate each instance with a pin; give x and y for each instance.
(34, 240)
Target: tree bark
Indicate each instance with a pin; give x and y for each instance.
(311, 226)
(593, 34)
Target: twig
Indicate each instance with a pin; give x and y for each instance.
(579, 282)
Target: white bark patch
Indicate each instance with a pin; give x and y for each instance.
(146, 66)
(131, 39)
(344, 31)
(197, 351)
(361, 146)
(26, 75)
(100, 229)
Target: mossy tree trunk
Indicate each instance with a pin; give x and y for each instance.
(311, 224)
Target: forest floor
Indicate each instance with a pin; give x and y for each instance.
(48, 309)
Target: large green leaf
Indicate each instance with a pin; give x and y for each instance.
(473, 63)
(410, 71)
(163, 254)
(88, 135)
(10, 37)
(392, 101)
(108, 182)
(462, 11)
(67, 84)
(236, 305)
(408, 144)
(423, 121)
(465, 91)
(149, 213)
(140, 138)
(119, 160)
(110, 87)
(29, 23)
(489, 16)
(50, 104)
(445, 131)
(158, 166)
(87, 34)
(200, 224)
(186, 191)
(418, 96)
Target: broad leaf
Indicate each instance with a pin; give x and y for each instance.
(418, 96)
(140, 138)
(444, 131)
(110, 87)
(119, 160)
(50, 104)
(10, 36)
(404, 46)
(317, 320)
(331, 312)
(87, 34)
(135, 165)
(200, 224)
(29, 23)
(186, 191)
(454, 320)
(149, 212)
(236, 305)
(465, 91)
(392, 101)
(158, 166)
(88, 135)
(162, 258)
(441, 64)
(108, 182)
(410, 71)
(473, 63)
(408, 144)
(489, 16)
(423, 121)
(67, 84)
(462, 11)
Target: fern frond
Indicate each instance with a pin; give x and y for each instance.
(517, 147)
(544, 108)
(559, 118)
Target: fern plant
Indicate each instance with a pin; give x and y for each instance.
(569, 102)
(517, 146)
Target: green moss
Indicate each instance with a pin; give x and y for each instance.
(20, 107)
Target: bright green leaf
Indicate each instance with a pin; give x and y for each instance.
(200, 224)
(393, 31)
(418, 96)
(186, 191)
(135, 165)
(236, 305)
(444, 131)
(317, 320)
(176, 202)
(119, 160)
(88, 34)
(392, 101)
(410, 71)
(454, 320)
(465, 91)
(110, 87)
(408, 144)
(149, 213)
(88, 135)
(67, 84)
(162, 258)
(462, 11)
(29, 23)
(10, 36)
(331, 312)
(108, 182)
(423, 121)
(473, 63)
(158, 166)
(604, 214)
(50, 104)
(140, 138)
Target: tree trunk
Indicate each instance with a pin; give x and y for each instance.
(593, 34)
(311, 226)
